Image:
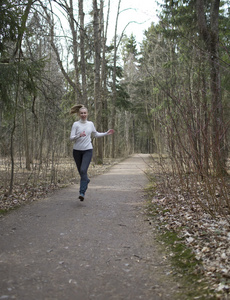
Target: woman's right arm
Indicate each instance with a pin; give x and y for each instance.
(74, 135)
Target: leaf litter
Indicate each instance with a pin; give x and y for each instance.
(205, 233)
(29, 186)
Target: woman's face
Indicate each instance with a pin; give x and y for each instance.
(83, 114)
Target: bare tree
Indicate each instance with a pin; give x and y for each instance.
(114, 90)
(97, 76)
(82, 51)
(73, 82)
(17, 52)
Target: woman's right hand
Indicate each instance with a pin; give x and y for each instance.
(82, 134)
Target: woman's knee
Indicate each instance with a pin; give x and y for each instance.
(83, 173)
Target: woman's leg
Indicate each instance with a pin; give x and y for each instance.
(83, 159)
(77, 155)
(86, 159)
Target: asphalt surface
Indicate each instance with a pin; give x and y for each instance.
(60, 248)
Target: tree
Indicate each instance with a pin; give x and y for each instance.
(210, 34)
(17, 54)
(114, 91)
(97, 23)
(191, 112)
(9, 17)
(82, 51)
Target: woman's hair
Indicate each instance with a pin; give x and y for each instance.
(76, 108)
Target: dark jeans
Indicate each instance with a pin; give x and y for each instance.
(82, 160)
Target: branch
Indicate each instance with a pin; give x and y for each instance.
(22, 28)
(122, 34)
(59, 61)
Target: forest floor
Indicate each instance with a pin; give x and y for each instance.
(196, 235)
(115, 244)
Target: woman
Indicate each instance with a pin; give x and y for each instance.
(83, 148)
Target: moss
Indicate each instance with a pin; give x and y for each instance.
(187, 269)
(3, 211)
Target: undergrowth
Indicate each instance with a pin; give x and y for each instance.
(186, 269)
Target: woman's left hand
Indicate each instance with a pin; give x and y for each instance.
(110, 131)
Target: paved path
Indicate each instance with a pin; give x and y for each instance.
(62, 249)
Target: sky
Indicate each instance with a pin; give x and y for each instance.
(140, 11)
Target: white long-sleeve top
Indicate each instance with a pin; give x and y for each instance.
(84, 142)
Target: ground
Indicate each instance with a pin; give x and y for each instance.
(102, 248)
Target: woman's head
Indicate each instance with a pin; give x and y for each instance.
(81, 110)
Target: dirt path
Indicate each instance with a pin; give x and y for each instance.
(102, 248)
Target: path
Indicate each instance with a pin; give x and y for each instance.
(62, 249)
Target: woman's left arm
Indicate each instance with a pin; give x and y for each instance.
(97, 134)
(110, 131)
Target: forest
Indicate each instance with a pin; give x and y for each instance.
(168, 96)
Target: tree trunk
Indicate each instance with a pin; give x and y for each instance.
(75, 50)
(16, 51)
(103, 68)
(210, 37)
(26, 140)
(114, 90)
(82, 50)
(97, 81)
(205, 120)
(12, 135)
